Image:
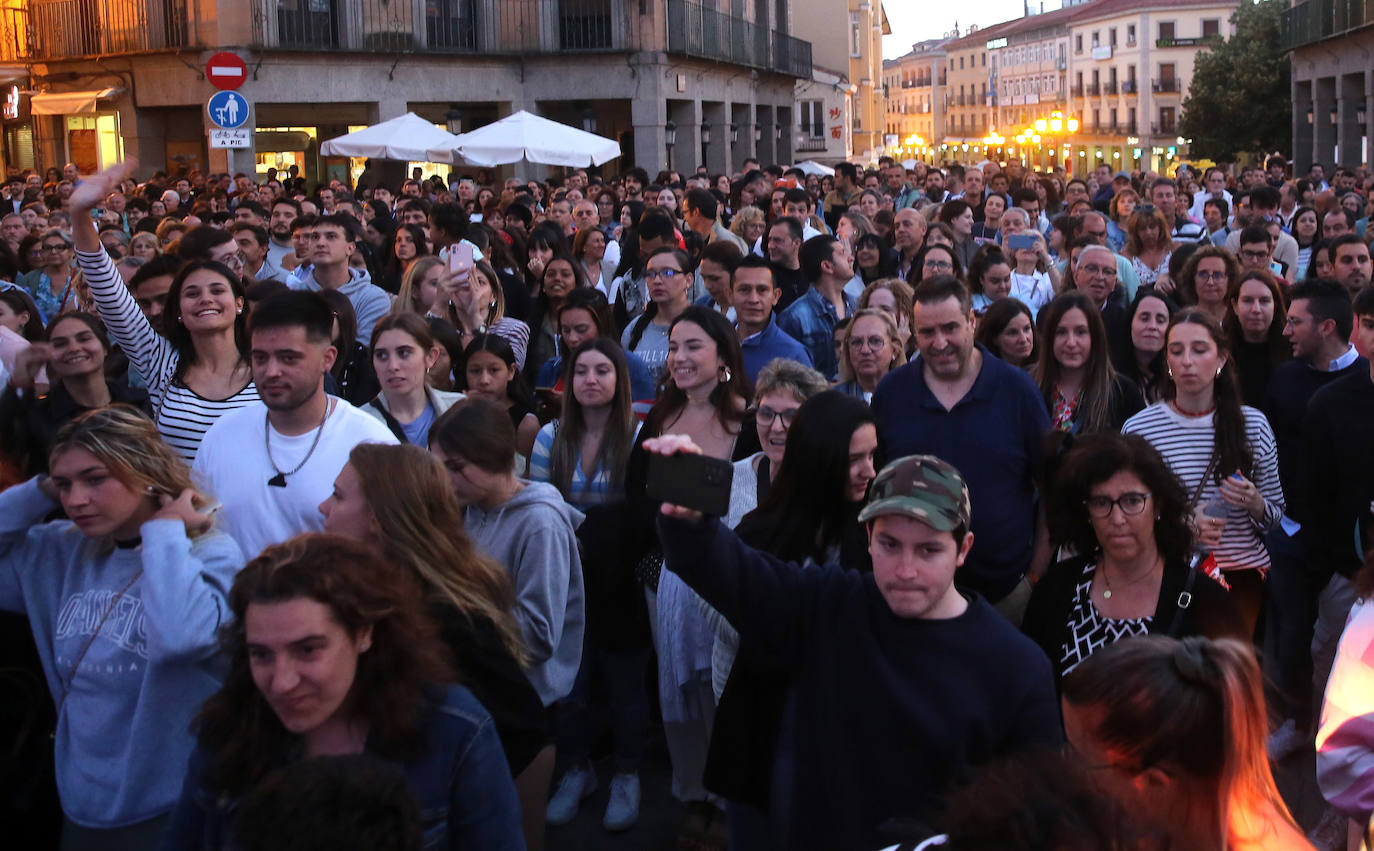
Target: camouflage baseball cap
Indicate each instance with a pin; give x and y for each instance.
(922, 487)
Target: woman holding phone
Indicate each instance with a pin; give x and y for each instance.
(1223, 451)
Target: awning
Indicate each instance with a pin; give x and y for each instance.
(71, 103)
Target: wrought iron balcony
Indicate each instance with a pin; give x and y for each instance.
(1169, 86)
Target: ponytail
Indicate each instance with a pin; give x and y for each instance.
(1193, 705)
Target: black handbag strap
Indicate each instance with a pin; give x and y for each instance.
(391, 422)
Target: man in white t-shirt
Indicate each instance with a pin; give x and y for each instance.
(271, 464)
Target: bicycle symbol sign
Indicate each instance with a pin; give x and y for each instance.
(228, 109)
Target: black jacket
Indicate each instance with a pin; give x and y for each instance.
(1209, 611)
(1334, 481)
(29, 424)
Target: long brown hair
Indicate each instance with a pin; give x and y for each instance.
(1233, 450)
(238, 731)
(727, 395)
(1094, 411)
(1196, 706)
(1136, 223)
(613, 453)
(1280, 349)
(411, 497)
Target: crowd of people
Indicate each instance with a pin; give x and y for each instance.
(328, 513)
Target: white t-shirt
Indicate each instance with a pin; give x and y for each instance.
(232, 465)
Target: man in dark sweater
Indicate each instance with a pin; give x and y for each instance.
(1319, 326)
(1335, 486)
(901, 681)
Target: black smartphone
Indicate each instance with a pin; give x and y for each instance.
(698, 482)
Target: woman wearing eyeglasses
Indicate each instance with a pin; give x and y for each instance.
(50, 283)
(871, 349)
(1207, 278)
(1113, 500)
(668, 274)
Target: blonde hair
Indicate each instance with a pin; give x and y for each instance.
(411, 497)
(127, 443)
(142, 237)
(747, 216)
(410, 285)
(893, 338)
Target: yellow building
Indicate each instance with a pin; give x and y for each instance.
(915, 85)
(1130, 63)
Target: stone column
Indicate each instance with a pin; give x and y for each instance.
(1349, 130)
(1304, 134)
(1324, 99)
(717, 114)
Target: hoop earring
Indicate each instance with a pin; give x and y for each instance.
(723, 375)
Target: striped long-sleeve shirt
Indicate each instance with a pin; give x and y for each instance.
(1345, 741)
(182, 415)
(1186, 444)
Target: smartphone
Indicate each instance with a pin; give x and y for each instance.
(1021, 241)
(698, 482)
(460, 257)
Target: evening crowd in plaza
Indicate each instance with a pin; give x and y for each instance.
(335, 516)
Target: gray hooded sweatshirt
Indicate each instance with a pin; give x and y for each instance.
(533, 535)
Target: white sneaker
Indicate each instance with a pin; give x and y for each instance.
(1287, 740)
(578, 782)
(622, 810)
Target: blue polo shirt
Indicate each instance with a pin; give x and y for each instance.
(992, 436)
(772, 342)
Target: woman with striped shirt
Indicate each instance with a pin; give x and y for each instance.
(1223, 452)
(199, 370)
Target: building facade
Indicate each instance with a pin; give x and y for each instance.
(825, 115)
(858, 56)
(915, 85)
(1333, 82)
(125, 77)
(1130, 64)
(1030, 68)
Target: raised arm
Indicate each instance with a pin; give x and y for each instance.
(129, 328)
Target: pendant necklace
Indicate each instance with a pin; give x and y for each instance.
(1107, 591)
(279, 480)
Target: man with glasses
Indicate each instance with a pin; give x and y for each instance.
(332, 241)
(811, 320)
(754, 296)
(1257, 251)
(1263, 208)
(1095, 276)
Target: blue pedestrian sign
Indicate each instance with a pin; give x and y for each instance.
(228, 110)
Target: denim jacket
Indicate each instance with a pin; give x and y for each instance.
(810, 320)
(461, 782)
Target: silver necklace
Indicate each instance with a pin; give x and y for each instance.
(279, 480)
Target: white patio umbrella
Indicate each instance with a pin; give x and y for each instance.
(813, 167)
(525, 136)
(408, 138)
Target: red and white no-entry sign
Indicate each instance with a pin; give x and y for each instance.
(225, 71)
